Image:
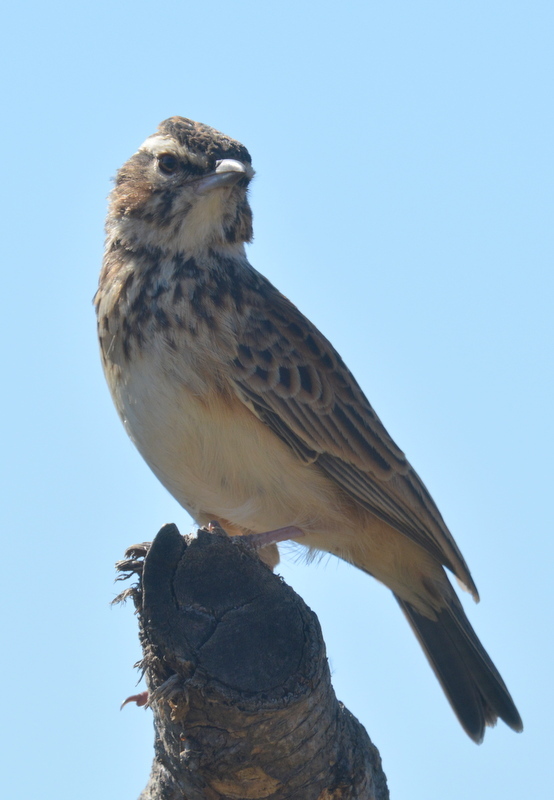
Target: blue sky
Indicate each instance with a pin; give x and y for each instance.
(404, 201)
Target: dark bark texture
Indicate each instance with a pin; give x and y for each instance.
(238, 681)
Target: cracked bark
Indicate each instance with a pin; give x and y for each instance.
(239, 683)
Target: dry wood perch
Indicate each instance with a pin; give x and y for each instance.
(238, 681)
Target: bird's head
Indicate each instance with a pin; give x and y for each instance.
(185, 189)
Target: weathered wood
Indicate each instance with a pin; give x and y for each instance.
(239, 683)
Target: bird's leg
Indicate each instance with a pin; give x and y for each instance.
(259, 540)
(265, 539)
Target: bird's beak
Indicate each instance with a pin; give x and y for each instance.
(227, 172)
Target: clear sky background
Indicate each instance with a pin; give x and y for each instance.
(404, 201)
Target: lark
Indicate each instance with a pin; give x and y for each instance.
(249, 416)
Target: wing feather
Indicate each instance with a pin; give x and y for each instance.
(291, 377)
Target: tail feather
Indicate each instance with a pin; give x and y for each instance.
(471, 682)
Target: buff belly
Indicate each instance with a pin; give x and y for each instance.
(221, 462)
(218, 459)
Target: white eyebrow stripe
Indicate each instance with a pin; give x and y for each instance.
(158, 144)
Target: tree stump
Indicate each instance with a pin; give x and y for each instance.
(238, 680)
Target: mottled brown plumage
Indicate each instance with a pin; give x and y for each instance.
(247, 413)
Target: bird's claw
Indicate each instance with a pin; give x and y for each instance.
(140, 699)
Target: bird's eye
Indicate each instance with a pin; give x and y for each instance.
(168, 163)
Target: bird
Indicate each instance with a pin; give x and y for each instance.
(249, 416)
